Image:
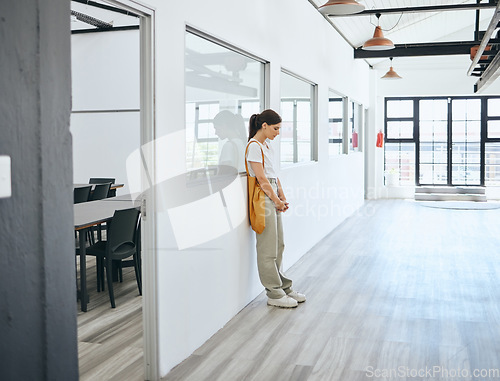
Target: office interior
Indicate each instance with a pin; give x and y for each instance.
(137, 99)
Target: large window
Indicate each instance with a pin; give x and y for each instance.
(224, 87)
(297, 112)
(444, 140)
(335, 123)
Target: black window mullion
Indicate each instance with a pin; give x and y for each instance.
(484, 136)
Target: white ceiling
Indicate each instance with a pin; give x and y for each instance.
(108, 16)
(420, 27)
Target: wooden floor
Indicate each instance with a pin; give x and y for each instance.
(110, 340)
(399, 291)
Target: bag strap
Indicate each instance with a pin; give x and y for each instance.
(246, 152)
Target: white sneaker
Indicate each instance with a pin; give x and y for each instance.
(284, 302)
(297, 296)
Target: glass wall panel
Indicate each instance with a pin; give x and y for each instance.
(399, 129)
(433, 152)
(400, 158)
(494, 107)
(400, 109)
(492, 164)
(466, 142)
(493, 129)
(304, 131)
(287, 130)
(223, 89)
(297, 105)
(352, 122)
(335, 124)
(355, 125)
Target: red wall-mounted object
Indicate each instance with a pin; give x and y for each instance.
(380, 139)
(354, 139)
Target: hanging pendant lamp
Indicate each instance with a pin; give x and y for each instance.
(378, 41)
(341, 7)
(391, 74)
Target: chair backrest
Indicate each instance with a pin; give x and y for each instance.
(123, 226)
(100, 180)
(100, 191)
(81, 194)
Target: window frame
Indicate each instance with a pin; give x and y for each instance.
(313, 156)
(263, 83)
(341, 99)
(416, 131)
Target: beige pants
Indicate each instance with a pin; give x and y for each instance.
(270, 247)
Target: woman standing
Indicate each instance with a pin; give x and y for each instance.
(270, 245)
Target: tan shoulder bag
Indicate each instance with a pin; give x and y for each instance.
(256, 199)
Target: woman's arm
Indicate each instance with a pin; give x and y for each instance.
(258, 169)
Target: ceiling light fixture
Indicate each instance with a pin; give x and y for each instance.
(378, 41)
(391, 74)
(341, 7)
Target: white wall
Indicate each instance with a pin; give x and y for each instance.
(202, 287)
(105, 76)
(207, 260)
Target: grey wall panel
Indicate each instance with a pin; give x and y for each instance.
(37, 277)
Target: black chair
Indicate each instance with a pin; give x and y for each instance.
(81, 194)
(101, 180)
(100, 191)
(119, 245)
(119, 265)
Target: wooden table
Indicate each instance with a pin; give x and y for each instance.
(90, 214)
(112, 187)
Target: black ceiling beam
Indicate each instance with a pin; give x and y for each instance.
(98, 30)
(424, 49)
(429, 8)
(107, 7)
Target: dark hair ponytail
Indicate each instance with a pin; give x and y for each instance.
(256, 120)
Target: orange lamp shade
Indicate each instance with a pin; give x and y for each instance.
(378, 41)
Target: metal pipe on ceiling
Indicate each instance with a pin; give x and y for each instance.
(91, 20)
(486, 38)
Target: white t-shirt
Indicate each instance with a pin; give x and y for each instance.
(255, 154)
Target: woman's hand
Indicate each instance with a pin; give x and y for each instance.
(286, 205)
(280, 205)
(282, 197)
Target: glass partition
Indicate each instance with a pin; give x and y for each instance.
(335, 123)
(355, 125)
(297, 105)
(224, 87)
